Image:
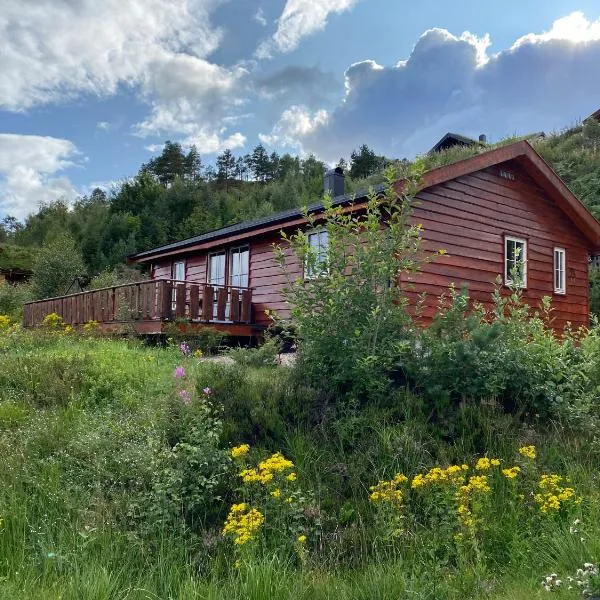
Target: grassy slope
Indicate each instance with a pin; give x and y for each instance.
(77, 418)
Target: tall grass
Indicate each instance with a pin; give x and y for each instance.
(84, 428)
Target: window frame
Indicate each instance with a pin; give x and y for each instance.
(230, 274)
(209, 280)
(323, 272)
(174, 269)
(561, 290)
(507, 277)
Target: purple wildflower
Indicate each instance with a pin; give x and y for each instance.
(207, 391)
(185, 348)
(185, 396)
(179, 373)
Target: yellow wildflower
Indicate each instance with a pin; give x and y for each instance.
(240, 450)
(242, 523)
(250, 476)
(527, 452)
(291, 477)
(288, 500)
(276, 493)
(511, 473)
(301, 539)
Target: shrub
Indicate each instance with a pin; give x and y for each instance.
(13, 297)
(351, 316)
(503, 354)
(56, 268)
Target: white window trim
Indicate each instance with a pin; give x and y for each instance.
(323, 272)
(560, 290)
(507, 278)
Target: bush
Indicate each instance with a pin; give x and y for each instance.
(56, 268)
(502, 355)
(351, 316)
(13, 297)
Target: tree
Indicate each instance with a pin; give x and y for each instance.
(57, 266)
(193, 165)
(171, 164)
(225, 167)
(365, 162)
(259, 163)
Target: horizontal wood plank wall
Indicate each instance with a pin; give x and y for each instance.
(469, 217)
(267, 280)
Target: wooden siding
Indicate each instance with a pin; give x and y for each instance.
(469, 217)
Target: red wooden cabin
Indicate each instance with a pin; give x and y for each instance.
(485, 211)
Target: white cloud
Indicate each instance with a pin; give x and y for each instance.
(57, 49)
(259, 17)
(299, 19)
(103, 125)
(30, 167)
(451, 83)
(295, 123)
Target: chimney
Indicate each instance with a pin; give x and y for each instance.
(483, 138)
(334, 182)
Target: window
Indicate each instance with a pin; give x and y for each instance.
(177, 274)
(178, 270)
(560, 282)
(216, 269)
(515, 262)
(316, 261)
(238, 267)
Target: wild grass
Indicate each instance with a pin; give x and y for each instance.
(89, 481)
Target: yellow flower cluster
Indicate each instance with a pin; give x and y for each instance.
(388, 492)
(53, 320)
(511, 473)
(553, 494)
(484, 464)
(91, 326)
(276, 463)
(453, 474)
(477, 484)
(5, 322)
(240, 450)
(242, 523)
(527, 452)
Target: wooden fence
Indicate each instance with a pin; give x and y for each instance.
(155, 300)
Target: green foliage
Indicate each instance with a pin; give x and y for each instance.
(57, 266)
(17, 257)
(265, 354)
(119, 275)
(121, 490)
(351, 314)
(13, 297)
(503, 355)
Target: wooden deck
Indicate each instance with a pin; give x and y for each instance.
(148, 305)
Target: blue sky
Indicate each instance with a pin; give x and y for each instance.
(89, 90)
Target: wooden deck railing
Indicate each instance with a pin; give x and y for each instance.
(154, 300)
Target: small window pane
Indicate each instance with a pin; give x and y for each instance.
(318, 242)
(515, 261)
(559, 271)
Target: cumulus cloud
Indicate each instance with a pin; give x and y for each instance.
(299, 19)
(30, 168)
(57, 49)
(294, 124)
(451, 83)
